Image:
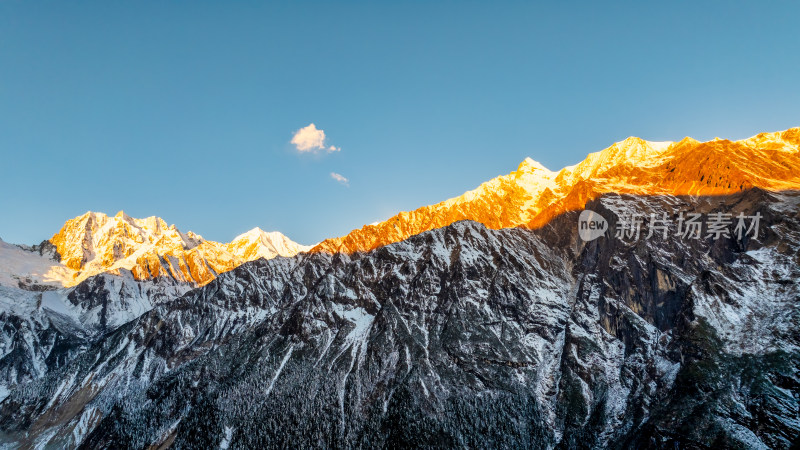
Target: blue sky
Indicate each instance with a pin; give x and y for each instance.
(185, 110)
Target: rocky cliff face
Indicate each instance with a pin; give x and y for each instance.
(461, 336)
(43, 330)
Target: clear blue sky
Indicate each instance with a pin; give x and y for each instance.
(185, 110)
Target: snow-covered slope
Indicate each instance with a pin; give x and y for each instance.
(31, 267)
(33, 338)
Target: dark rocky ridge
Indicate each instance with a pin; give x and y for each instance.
(37, 336)
(459, 337)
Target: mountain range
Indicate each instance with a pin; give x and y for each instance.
(147, 249)
(532, 195)
(481, 321)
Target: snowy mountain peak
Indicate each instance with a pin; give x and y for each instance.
(95, 238)
(255, 233)
(529, 165)
(258, 243)
(639, 147)
(533, 195)
(148, 248)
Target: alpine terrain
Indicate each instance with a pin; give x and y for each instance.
(98, 273)
(646, 297)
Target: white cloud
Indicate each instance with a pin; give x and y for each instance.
(340, 178)
(312, 140)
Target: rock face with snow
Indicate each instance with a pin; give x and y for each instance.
(461, 336)
(43, 330)
(504, 330)
(98, 273)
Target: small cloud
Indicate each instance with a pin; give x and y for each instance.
(312, 140)
(340, 178)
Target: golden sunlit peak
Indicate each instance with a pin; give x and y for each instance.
(637, 147)
(148, 248)
(533, 195)
(529, 164)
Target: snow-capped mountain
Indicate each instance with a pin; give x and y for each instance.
(258, 243)
(459, 337)
(147, 248)
(484, 321)
(532, 195)
(98, 273)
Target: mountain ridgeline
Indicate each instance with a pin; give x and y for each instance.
(482, 322)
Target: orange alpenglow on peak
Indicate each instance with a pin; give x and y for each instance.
(532, 195)
(148, 248)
